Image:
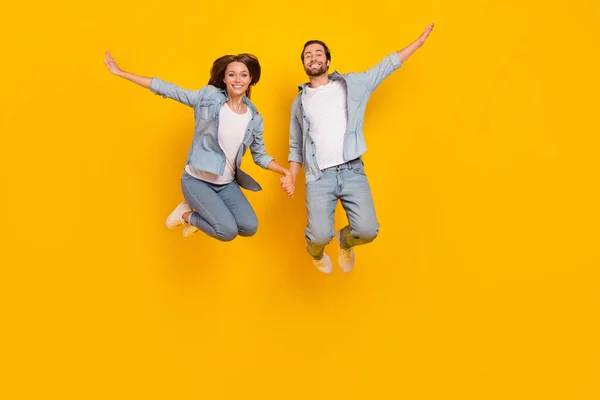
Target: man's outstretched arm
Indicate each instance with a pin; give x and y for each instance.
(374, 76)
(411, 48)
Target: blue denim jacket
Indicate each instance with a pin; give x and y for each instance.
(359, 88)
(205, 153)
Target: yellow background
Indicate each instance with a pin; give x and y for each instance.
(483, 159)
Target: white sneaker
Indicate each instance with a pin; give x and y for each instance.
(176, 217)
(189, 230)
(324, 264)
(345, 257)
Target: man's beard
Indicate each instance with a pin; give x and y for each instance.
(317, 72)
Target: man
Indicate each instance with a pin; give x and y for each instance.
(326, 138)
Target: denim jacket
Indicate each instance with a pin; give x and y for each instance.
(359, 88)
(205, 153)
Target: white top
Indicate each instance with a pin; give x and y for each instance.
(327, 110)
(232, 127)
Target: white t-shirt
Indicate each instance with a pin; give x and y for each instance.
(232, 127)
(327, 110)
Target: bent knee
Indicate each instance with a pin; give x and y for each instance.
(367, 234)
(248, 229)
(227, 234)
(320, 239)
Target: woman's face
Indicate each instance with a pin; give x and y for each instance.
(237, 78)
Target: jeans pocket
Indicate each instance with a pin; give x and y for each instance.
(359, 169)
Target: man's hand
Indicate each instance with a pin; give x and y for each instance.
(288, 185)
(411, 48)
(425, 34)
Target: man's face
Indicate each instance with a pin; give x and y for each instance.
(315, 61)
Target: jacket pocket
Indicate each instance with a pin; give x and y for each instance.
(206, 109)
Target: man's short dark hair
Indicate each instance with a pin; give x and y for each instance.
(327, 52)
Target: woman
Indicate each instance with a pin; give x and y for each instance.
(227, 124)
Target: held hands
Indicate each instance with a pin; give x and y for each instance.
(111, 64)
(288, 185)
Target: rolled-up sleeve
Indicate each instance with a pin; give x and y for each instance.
(174, 92)
(382, 70)
(257, 147)
(295, 135)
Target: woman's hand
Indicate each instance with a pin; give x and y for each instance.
(288, 185)
(112, 65)
(114, 68)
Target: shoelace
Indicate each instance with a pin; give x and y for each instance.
(346, 253)
(321, 262)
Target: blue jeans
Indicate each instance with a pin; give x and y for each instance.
(347, 183)
(220, 211)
